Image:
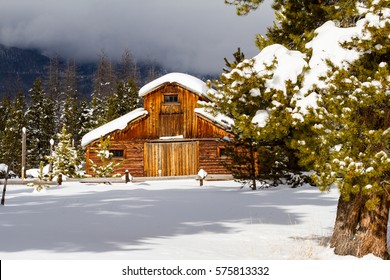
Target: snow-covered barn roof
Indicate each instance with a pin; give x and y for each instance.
(220, 119)
(187, 81)
(117, 124)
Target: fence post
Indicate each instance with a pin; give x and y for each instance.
(59, 179)
(202, 175)
(23, 153)
(127, 178)
(5, 186)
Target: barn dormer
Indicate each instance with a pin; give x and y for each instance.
(171, 101)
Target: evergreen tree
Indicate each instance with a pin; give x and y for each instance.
(125, 97)
(345, 139)
(351, 142)
(84, 124)
(64, 158)
(106, 167)
(123, 100)
(251, 97)
(40, 125)
(40, 185)
(239, 56)
(85, 121)
(49, 121)
(71, 117)
(297, 19)
(34, 125)
(113, 103)
(130, 95)
(5, 108)
(10, 141)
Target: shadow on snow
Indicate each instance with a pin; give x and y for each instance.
(110, 220)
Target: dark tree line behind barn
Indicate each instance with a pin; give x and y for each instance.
(55, 100)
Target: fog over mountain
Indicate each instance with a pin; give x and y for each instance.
(19, 68)
(187, 36)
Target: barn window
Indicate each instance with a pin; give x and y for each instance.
(118, 153)
(222, 152)
(171, 98)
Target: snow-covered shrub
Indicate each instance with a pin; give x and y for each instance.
(298, 179)
(3, 171)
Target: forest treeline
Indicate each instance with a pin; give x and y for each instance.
(55, 101)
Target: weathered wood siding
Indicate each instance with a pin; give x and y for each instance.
(171, 125)
(207, 129)
(133, 159)
(209, 157)
(171, 158)
(171, 119)
(135, 130)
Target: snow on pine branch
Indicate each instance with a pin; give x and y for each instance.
(278, 64)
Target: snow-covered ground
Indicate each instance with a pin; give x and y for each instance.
(174, 219)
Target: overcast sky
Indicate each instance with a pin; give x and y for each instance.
(188, 36)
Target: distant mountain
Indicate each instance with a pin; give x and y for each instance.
(24, 64)
(20, 67)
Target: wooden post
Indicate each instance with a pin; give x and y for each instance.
(5, 186)
(127, 177)
(59, 179)
(23, 153)
(202, 175)
(51, 160)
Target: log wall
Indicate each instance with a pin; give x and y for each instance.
(133, 159)
(209, 157)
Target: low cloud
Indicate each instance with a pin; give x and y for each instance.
(188, 36)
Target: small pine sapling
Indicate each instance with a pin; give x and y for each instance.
(106, 167)
(40, 184)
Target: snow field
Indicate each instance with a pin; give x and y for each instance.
(167, 220)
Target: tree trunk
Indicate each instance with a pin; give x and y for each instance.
(253, 167)
(359, 231)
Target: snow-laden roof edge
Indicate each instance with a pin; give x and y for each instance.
(220, 119)
(117, 124)
(187, 81)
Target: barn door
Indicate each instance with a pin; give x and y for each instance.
(171, 159)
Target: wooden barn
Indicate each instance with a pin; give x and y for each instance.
(170, 136)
